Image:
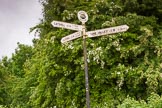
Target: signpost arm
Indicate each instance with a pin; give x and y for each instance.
(86, 67)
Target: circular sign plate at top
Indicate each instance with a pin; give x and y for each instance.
(83, 16)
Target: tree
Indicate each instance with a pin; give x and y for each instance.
(4, 82)
(12, 77)
(21, 55)
(19, 91)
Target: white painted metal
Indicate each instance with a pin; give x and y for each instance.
(67, 25)
(71, 37)
(107, 31)
(82, 16)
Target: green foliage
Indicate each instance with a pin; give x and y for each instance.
(12, 86)
(153, 101)
(22, 53)
(3, 94)
(5, 78)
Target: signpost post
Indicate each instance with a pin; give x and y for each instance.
(83, 17)
(81, 31)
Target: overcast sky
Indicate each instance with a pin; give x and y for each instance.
(16, 18)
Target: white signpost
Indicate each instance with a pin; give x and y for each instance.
(96, 33)
(82, 16)
(71, 37)
(107, 31)
(81, 32)
(67, 25)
